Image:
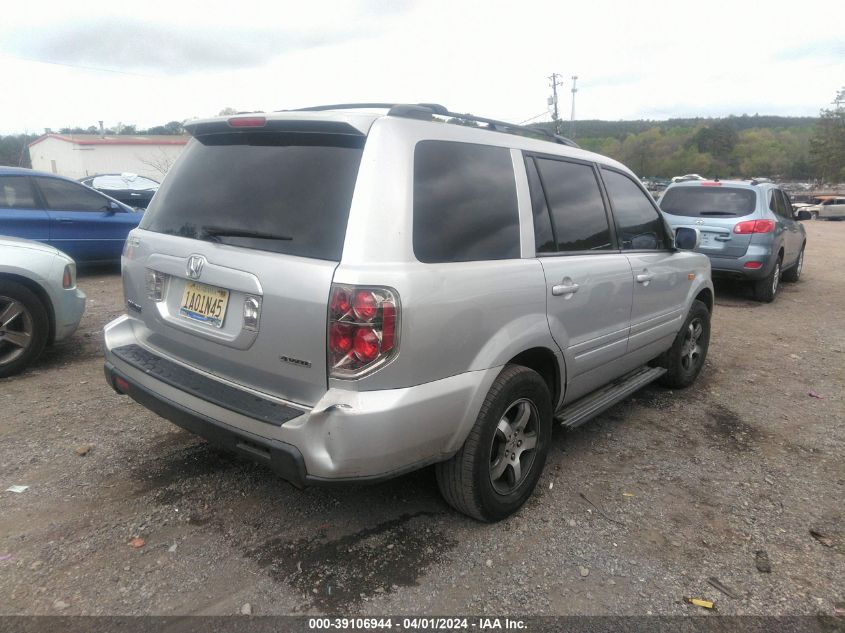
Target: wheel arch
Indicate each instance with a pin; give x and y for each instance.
(546, 363)
(38, 290)
(705, 295)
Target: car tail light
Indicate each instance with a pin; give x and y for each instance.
(753, 265)
(69, 276)
(155, 284)
(363, 329)
(754, 226)
(248, 121)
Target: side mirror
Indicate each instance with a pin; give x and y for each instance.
(687, 239)
(113, 208)
(803, 215)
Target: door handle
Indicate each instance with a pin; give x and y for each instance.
(566, 288)
(65, 221)
(644, 278)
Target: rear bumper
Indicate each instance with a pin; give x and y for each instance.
(348, 436)
(734, 267)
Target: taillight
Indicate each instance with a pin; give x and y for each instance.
(754, 226)
(155, 284)
(69, 276)
(363, 329)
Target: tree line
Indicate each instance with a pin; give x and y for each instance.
(785, 148)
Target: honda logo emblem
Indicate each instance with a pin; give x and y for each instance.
(699, 221)
(194, 267)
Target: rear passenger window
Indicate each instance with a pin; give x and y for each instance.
(16, 193)
(639, 224)
(544, 239)
(465, 205)
(578, 213)
(69, 196)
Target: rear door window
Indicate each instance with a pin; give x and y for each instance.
(639, 225)
(544, 239)
(577, 208)
(776, 203)
(16, 193)
(285, 193)
(695, 202)
(70, 196)
(465, 206)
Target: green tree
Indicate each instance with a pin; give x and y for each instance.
(827, 146)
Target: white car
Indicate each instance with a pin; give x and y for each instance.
(39, 301)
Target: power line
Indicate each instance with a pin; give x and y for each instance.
(544, 113)
(80, 66)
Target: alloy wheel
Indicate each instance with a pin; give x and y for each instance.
(16, 328)
(776, 278)
(691, 348)
(514, 446)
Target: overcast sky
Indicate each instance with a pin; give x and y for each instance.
(74, 63)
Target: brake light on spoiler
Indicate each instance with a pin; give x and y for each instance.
(363, 329)
(248, 121)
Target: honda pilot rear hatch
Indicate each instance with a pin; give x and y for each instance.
(231, 268)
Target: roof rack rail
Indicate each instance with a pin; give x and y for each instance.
(425, 111)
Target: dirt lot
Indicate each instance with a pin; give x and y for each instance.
(690, 485)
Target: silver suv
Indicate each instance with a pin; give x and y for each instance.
(347, 294)
(749, 230)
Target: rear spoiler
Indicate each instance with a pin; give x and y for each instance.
(280, 126)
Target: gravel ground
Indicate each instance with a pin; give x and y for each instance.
(685, 486)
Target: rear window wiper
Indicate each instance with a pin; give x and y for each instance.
(724, 213)
(216, 232)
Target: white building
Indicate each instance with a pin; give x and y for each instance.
(80, 155)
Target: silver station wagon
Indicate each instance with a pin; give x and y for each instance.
(348, 293)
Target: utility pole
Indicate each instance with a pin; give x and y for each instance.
(572, 113)
(555, 82)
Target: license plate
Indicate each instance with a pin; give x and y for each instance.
(204, 303)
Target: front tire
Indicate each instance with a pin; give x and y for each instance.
(685, 359)
(499, 465)
(24, 327)
(766, 289)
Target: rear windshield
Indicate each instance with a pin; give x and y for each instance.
(286, 193)
(695, 202)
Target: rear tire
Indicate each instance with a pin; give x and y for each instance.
(794, 274)
(685, 359)
(766, 289)
(24, 327)
(496, 470)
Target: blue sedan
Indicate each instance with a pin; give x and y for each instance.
(85, 224)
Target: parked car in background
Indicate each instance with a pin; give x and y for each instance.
(748, 229)
(686, 177)
(130, 189)
(39, 301)
(399, 292)
(86, 224)
(827, 208)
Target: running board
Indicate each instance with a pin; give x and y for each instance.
(592, 404)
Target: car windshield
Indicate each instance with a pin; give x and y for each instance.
(286, 193)
(708, 201)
